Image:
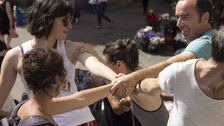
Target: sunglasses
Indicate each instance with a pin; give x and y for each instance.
(67, 20)
(112, 63)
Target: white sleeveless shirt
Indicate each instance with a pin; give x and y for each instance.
(75, 117)
(191, 106)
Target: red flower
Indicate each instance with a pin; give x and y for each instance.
(152, 18)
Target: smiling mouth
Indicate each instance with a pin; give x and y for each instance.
(184, 30)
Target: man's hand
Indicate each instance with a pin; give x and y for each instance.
(122, 83)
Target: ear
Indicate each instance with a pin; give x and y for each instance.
(120, 65)
(57, 79)
(205, 17)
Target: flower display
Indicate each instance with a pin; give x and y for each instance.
(153, 20)
(167, 19)
(157, 40)
(166, 16)
(147, 35)
(143, 33)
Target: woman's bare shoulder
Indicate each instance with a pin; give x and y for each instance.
(14, 52)
(72, 44)
(13, 58)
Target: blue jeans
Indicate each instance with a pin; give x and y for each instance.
(100, 12)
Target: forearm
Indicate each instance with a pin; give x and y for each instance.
(102, 71)
(154, 70)
(6, 84)
(80, 99)
(151, 72)
(94, 63)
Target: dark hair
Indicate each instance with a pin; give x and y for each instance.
(42, 13)
(203, 6)
(40, 66)
(218, 46)
(124, 50)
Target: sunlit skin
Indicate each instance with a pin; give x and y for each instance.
(188, 20)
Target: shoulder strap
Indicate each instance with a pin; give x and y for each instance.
(34, 121)
(14, 116)
(28, 121)
(21, 49)
(2, 7)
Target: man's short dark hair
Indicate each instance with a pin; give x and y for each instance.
(218, 46)
(203, 6)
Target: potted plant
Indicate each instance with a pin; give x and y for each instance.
(153, 20)
(169, 23)
(156, 41)
(142, 37)
(147, 37)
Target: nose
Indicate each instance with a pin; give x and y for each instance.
(179, 22)
(69, 25)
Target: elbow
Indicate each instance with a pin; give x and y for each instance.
(151, 91)
(150, 86)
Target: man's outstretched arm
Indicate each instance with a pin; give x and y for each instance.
(131, 80)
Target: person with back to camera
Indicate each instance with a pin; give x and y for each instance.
(5, 21)
(45, 74)
(197, 86)
(100, 9)
(123, 57)
(193, 19)
(49, 21)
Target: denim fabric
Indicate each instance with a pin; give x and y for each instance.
(100, 12)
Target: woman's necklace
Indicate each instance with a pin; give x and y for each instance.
(43, 111)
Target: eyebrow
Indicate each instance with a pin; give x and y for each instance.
(182, 15)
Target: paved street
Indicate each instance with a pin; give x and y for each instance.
(126, 22)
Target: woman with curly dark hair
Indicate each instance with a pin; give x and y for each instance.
(45, 74)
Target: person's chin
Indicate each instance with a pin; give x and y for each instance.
(61, 38)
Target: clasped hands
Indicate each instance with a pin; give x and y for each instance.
(124, 88)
